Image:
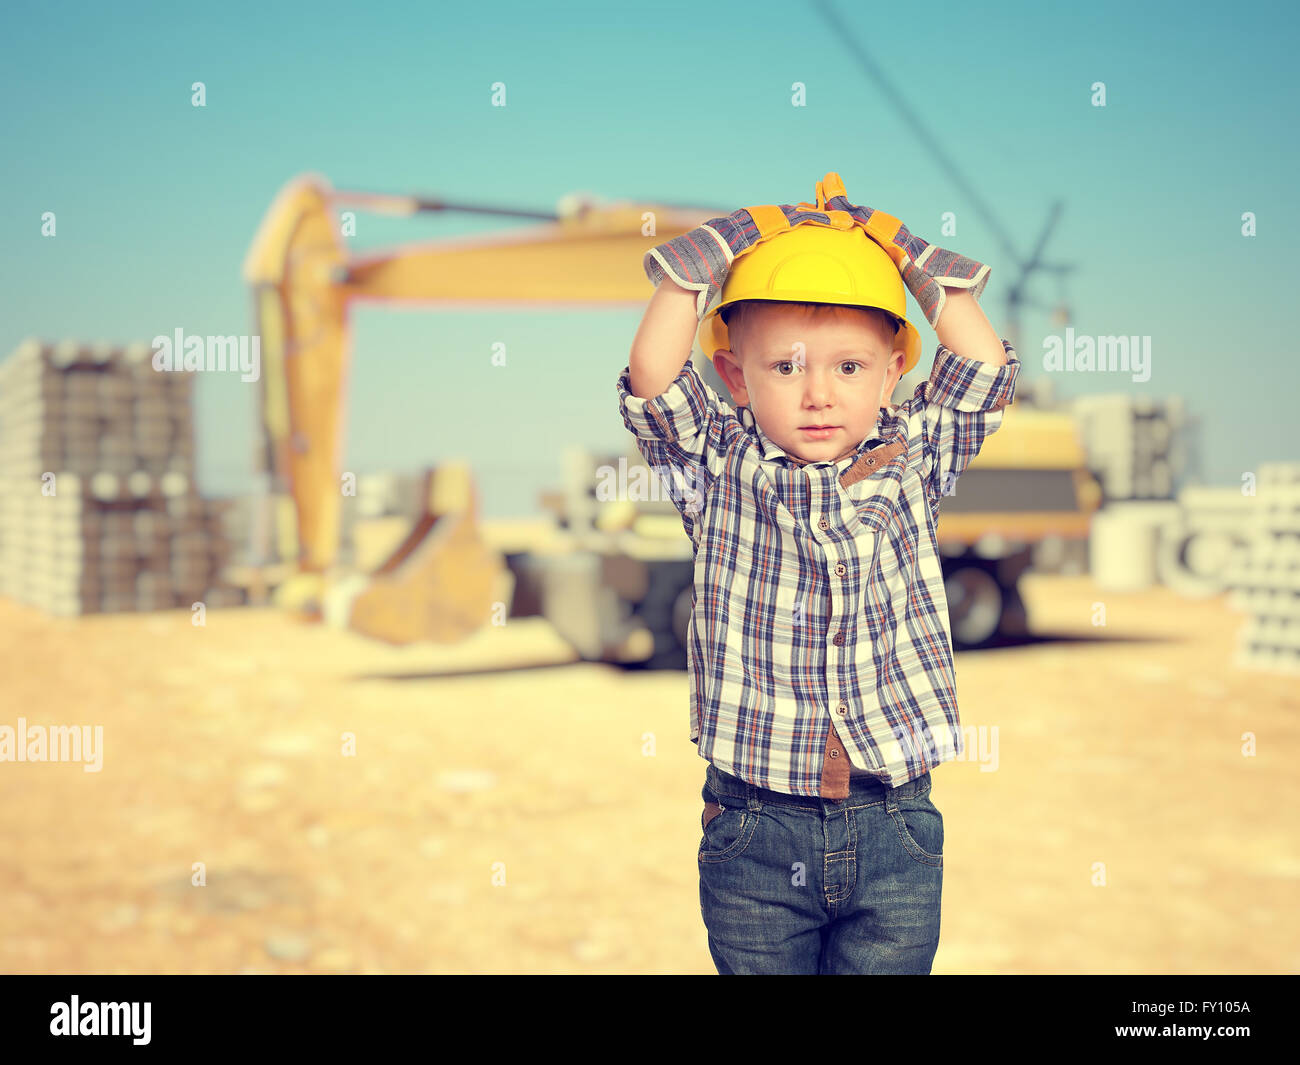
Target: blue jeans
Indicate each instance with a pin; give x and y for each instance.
(794, 884)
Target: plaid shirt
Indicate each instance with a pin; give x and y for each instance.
(819, 593)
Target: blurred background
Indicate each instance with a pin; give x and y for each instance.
(320, 526)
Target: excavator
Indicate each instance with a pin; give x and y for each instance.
(439, 583)
(617, 583)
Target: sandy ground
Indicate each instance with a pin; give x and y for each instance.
(507, 820)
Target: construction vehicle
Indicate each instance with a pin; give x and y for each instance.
(613, 577)
(627, 592)
(1028, 486)
(443, 580)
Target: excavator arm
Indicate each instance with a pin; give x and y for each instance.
(437, 584)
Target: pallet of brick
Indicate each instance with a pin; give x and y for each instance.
(90, 409)
(1202, 546)
(227, 526)
(99, 511)
(61, 551)
(79, 545)
(230, 524)
(1136, 445)
(1266, 583)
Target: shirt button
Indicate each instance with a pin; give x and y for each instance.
(823, 523)
(841, 569)
(839, 639)
(843, 708)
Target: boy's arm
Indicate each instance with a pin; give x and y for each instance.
(963, 328)
(682, 427)
(972, 381)
(663, 340)
(677, 418)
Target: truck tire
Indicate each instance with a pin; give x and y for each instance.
(682, 613)
(975, 604)
(661, 613)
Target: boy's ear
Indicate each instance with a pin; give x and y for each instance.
(727, 364)
(895, 373)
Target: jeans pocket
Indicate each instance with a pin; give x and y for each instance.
(728, 830)
(920, 828)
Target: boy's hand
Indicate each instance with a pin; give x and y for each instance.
(926, 268)
(699, 260)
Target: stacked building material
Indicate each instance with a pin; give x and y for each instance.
(1136, 445)
(1266, 582)
(1201, 543)
(99, 511)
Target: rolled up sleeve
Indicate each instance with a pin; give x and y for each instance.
(969, 385)
(683, 433)
(955, 410)
(688, 416)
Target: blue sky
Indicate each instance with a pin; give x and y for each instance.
(157, 201)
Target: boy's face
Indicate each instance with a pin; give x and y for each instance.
(798, 370)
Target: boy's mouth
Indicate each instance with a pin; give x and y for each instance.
(818, 430)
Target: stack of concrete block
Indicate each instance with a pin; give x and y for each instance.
(235, 517)
(99, 511)
(1266, 582)
(1136, 445)
(1202, 545)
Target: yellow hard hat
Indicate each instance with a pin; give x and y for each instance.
(813, 263)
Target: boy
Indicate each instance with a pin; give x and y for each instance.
(821, 678)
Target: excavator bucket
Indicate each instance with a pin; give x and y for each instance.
(440, 582)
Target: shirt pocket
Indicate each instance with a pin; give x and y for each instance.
(876, 498)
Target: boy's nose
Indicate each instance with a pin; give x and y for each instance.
(817, 390)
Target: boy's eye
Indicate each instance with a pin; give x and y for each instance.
(788, 362)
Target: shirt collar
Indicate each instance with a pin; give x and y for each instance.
(772, 452)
